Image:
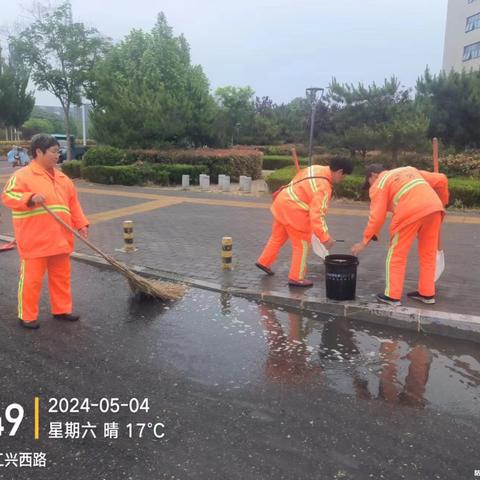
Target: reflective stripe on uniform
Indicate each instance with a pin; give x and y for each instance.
(8, 190)
(407, 187)
(322, 217)
(20, 289)
(20, 215)
(384, 179)
(387, 263)
(295, 198)
(313, 183)
(303, 263)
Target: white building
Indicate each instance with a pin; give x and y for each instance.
(462, 36)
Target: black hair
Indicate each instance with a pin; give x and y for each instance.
(371, 169)
(341, 163)
(43, 142)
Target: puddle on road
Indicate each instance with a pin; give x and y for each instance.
(231, 343)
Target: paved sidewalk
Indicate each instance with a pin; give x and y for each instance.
(181, 232)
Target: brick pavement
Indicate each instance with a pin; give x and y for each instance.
(185, 238)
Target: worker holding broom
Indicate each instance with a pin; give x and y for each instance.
(299, 209)
(43, 244)
(417, 200)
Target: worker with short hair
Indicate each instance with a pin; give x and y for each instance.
(299, 210)
(43, 244)
(417, 201)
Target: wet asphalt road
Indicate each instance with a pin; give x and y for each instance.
(244, 391)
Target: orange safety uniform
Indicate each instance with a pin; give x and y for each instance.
(299, 210)
(416, 198)
(42, 243)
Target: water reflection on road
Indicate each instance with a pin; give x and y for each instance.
(396, 368)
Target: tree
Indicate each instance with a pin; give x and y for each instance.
(405, 130)
(452, 103)
(16, 103)
(237, 109)
(293, 120)
(364, 118)
(61, 54)
(37, 125)
(147, 93)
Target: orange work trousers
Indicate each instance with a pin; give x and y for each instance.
(300, 245)
(427, 229)
(32, 271)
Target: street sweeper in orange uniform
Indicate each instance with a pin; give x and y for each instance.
(299, 209)
(417, 201)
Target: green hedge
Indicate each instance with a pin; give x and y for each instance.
(72, 168)
(105, 156)
(175, 172)
(233, 162)
(124, 175)
(134, 174)
(463, 192)
(275, 162)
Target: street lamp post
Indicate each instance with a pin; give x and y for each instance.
(237, 127)
(312, 96)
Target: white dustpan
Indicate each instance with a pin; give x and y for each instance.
(440, 265)
(318, 248)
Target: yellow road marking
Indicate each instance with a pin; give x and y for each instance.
(37, 419)
(120, 193)
(124, 212)
(348, 212)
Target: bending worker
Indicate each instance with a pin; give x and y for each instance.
(43, 244)
(417, 200)
(299, 210)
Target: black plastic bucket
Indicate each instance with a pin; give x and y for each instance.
(341, 276)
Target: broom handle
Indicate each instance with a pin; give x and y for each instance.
(71, 230)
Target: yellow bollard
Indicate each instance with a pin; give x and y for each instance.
(128, 237)
(227, 253)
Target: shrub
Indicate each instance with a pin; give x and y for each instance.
(280, 177)
(464, 192)
(274, 162)
(285, 149)
(124, 175)
(233, 162)
(72, 168)
(464, 164)
(104, 156)
(175, 172)
(351, 187)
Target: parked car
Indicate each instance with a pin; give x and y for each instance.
(77, 150)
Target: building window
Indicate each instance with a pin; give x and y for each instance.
(473, 23)
(471, 52)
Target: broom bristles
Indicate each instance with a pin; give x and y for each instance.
(149, 288)
(155, 288)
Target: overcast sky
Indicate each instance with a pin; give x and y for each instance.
(279, 47)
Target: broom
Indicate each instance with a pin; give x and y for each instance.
(138, 284)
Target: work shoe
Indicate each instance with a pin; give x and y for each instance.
(267, 270)
(421, 298)
(300, 283)
(68, 317)
(31, 325)
(389, 301)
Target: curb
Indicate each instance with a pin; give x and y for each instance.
(459, 326)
